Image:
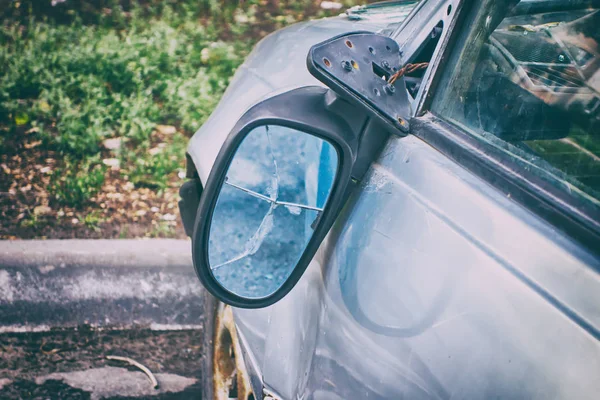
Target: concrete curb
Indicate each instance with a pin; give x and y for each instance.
(117, 253)
(103, 283)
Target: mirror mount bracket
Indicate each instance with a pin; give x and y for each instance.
(358, 67)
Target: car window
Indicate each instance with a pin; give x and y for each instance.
(526, 79)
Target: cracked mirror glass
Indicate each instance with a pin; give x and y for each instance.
(275, 189)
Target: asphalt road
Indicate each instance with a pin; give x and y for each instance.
(72, 364)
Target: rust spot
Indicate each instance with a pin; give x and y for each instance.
(230, 377)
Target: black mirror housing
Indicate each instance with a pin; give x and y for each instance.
(316, 111)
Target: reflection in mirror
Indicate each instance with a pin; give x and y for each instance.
(276, 186)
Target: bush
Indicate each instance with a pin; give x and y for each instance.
(76, 183)
(82, 71)
(80, 84)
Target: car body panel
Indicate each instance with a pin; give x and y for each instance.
(431, 284)
(431, 290)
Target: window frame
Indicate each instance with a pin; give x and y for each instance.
(574, 216)
(413, 32)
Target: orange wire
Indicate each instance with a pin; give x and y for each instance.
(407, 69)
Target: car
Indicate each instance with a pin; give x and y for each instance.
(404, 202)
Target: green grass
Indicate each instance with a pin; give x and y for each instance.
(83, 71)
(78, 85)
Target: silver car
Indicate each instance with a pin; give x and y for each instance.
(404, 202)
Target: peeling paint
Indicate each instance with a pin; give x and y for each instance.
(376, 181)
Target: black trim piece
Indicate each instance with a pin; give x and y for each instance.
(190, 193)
(190, 169)
(577, 218)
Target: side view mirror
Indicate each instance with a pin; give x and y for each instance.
(278, 183)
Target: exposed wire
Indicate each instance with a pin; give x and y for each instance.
(407, 69)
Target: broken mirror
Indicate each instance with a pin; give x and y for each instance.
(275, 189)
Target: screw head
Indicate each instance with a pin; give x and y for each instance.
(561, 57)
(389, 89)
(347, 66)
(385, 64)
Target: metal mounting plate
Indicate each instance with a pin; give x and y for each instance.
(353, 64)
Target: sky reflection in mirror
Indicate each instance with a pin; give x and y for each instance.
(276, 187)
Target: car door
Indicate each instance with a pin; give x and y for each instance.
(466, 264)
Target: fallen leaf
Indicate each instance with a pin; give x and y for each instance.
(331, 5)
(154, 151)
(111, 162)
(169, 217)
(44, 106)
(42, 210)
(166, 129)
(113, 143)
(32, 144)
(21, 118)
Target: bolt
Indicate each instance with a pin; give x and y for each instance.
(561, 58)
(385, 64)
(347, 66)
(389, 89)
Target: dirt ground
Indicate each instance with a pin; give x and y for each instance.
(119, 210)
(29, 357)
